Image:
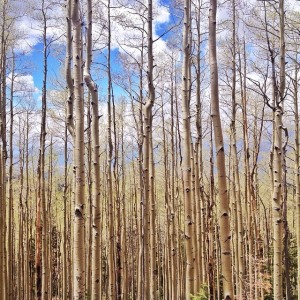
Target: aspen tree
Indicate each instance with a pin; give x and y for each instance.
(194, 190)
(286, 236)
(199, 154)
(48, 248)
(236, 177)
(96, 232)
(210, 223)
(151, 167)
(279, 93)
(22, 254)
(116, 185)
(169, 209)
(187, 168)
(297, 175)
(65, 197)
(112, 289)
(27, 256)
(124, 247)
(254, 201)
(174, 257)
(149, 292)
(140, 132)
(88, 225)
(224, 221)
(10, 191)
(42, 265)
(78, 132)
(4, 288)
(137, 225)
(70, 127)
(68, 70)
(181, 252)
(118, 206)
(70, 123)
(242, 71)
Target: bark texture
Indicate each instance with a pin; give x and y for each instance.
(79, 205)
(224, 221)
(96, 213)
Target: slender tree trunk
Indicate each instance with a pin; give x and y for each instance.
(297, 171)
(187, 168)
(147, 172)
(42, 291)
(199, 158)
(242, 289)
(10, 191)
(174, 249)
(4, 289)
(96, 214)
(27, 245)
(124, 245)
(278, 162)
(111, 211)
(236, 177)
(210, 224)
(140, 133)
(79, 179)
(88, 225)
(220, 160)
(277, 210)
(22, 217)
(65, 234)
(49, 247)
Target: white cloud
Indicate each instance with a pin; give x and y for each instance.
(126, 19)
(129, 26)
(25, 91)
(29, 27)
(22, 83)
(28, 37)
(161, 13)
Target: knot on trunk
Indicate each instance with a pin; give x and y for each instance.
(78, 211)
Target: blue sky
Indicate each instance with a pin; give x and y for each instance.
(55, 65)
(37, 72)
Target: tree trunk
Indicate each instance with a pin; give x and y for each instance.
(11, 193)
(96, 214)
(297, 171)
(224, 222)
(278, 162)
(187, 152)
(79, 180)
(111, 211)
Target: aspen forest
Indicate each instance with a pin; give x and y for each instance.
(149, 149)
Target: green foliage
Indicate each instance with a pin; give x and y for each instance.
(293, 266)
(203, 293)
(292, 248)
